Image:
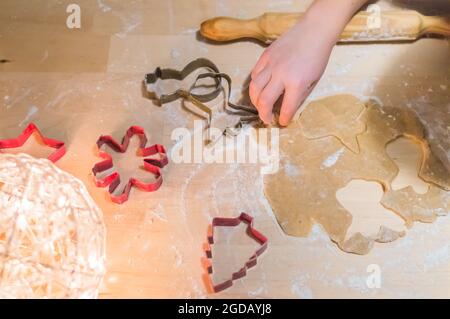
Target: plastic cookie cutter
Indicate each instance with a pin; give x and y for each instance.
(247, 114)
(152, 165)
(251, 262)
(59, 146)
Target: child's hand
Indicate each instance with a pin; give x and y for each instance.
(295, 62)
(292, 64)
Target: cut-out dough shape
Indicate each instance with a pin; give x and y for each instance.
(324, 165)
(335, 116)
(363, 200)
(408, 156)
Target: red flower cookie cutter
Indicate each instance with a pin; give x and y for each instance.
(151, 165)
(251, 262)
(25, 135)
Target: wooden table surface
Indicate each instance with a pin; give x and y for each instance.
(77, 84)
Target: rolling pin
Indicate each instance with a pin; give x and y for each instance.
(401, 25)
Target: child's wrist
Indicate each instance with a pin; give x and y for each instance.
(331, 17)
(329, 29)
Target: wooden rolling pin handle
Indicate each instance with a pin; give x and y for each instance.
(229, 29)
(436, 25)
(394, 25)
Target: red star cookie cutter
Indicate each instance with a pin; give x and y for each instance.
(152, 165)
(31, 128)
(251, 262)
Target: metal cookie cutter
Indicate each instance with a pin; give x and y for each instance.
(251, 231)
(171, 74)
(152, 165)
(247, 114)
(59, 146)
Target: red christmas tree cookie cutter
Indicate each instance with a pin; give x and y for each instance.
(251, 262)
(152, 165)
(31, 129)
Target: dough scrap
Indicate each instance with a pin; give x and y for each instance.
(361, 245)
(324, 165)
(338, 117)
(386, 235)
(417, 207)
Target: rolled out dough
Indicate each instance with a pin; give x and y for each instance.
(341, 119)
(326, 159)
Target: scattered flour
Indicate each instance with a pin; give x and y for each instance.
(332, 159)
(280, 3)
(175, 54)
(343, 69)
(256, 292)
(301, 290)
(178, 256)
(318, 234)
(104, 7)
(189, 31)
(33, 110)
(130, 24)
(358, 283)
(159, 213)
(437, 257)
(291, 170)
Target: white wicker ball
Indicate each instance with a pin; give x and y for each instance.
(52, 234)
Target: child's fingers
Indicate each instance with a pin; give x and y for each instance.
(257, 85)
(291, 101)
(260, 65)
(267, 99)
